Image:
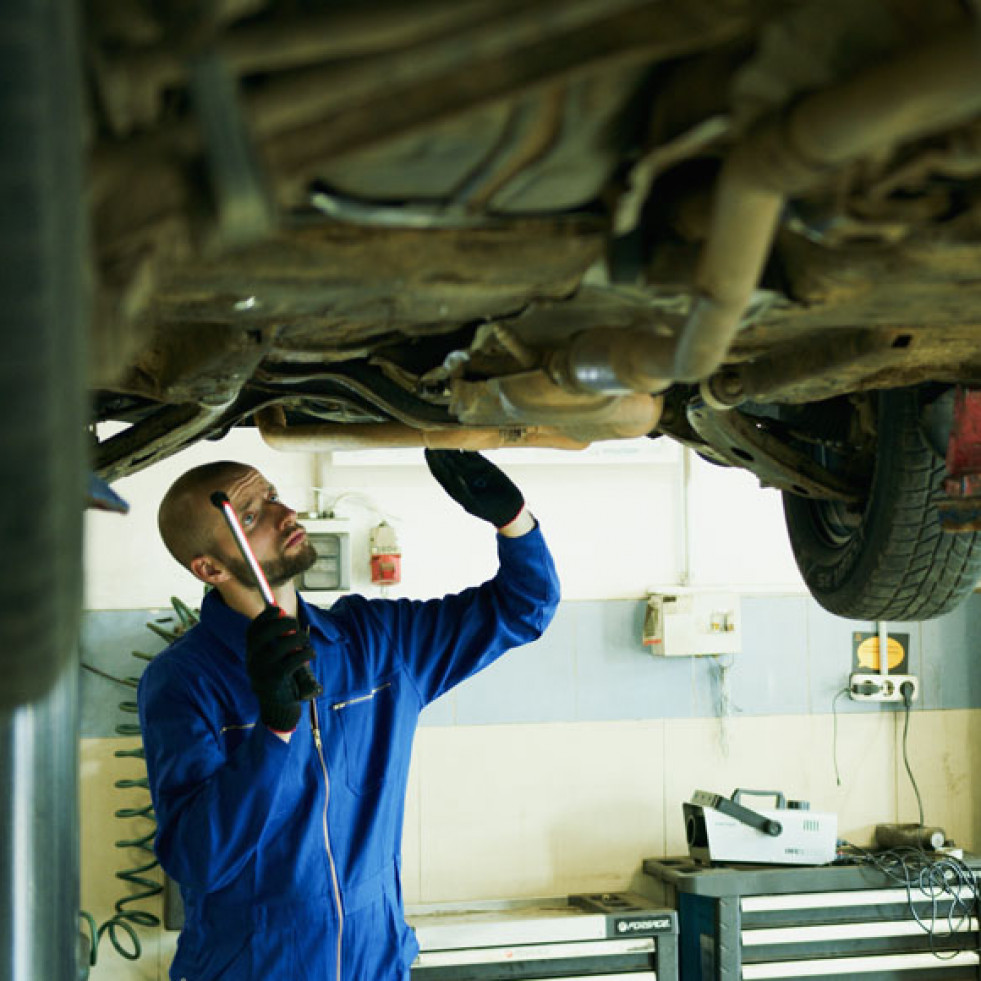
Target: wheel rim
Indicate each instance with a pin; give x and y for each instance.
(835, 522)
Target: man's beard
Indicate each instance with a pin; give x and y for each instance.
(277, 571)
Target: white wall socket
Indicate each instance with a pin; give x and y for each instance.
(874, 687)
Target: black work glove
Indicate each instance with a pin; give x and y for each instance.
(477, 485)
(275, 647)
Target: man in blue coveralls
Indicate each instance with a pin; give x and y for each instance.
(282, 820)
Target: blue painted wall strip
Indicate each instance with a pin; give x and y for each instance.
(591, 666)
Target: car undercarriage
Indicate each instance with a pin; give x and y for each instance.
(740, 225)
(750, 226)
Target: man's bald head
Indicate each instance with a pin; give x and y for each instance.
(186, 518)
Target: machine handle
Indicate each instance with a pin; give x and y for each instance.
(753, 819)
(740, 792)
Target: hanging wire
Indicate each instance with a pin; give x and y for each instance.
(944, 885)
(723, 667)
(834, 734)
(907, 699)
(328, 505)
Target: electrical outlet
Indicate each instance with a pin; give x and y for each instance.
(873, 687)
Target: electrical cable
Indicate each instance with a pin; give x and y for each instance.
(723, 668)
(907, 700)
(328, 508)
(122, 924)
(928, 879)
(834, 734)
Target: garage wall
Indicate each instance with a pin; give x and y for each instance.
(614, 517)
(564, 765)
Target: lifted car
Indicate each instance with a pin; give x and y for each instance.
(751, 226)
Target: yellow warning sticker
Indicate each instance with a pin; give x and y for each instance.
(865, 652)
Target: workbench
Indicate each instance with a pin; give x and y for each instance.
(750, 923)
(601, 936)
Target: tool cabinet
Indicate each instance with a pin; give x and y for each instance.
(758, 923)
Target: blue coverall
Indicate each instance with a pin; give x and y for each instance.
(287, 854)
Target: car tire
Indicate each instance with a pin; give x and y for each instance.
(42, 365)
(891, 560)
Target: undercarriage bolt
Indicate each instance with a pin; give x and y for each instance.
(723, 390)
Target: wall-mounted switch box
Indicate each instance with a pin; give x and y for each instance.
(692, 623)
(331, 572)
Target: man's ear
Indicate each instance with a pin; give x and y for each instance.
(208, 570)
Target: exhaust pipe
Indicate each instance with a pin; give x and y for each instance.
(526, 409)
(326, 437)
(918, 93)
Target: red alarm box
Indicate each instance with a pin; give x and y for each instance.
(386, 556)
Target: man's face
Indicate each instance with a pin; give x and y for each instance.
(280, 544)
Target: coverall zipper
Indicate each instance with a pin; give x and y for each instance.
(361, 698)
(315, 726)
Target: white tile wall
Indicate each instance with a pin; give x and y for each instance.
(614, 528)
(533, 810)
(537, 810)
(945, 757)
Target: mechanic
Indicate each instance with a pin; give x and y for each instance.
(282, 820)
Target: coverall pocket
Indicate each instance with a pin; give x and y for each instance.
(368, 724)
(377, 945)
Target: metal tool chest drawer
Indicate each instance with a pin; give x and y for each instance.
(756, 923)
(599, 937)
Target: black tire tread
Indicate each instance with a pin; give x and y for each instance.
(42, 369)
(902, 566)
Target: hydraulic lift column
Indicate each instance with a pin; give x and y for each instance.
(39, 859)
